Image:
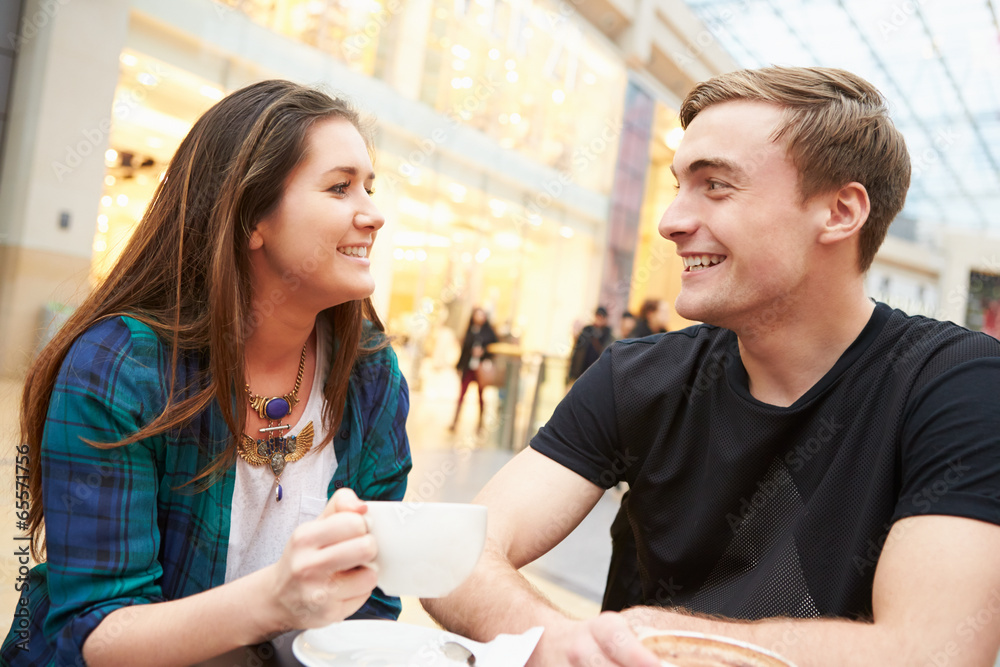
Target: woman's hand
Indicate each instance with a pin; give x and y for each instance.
(326, 572)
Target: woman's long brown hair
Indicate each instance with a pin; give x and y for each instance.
(185, 271)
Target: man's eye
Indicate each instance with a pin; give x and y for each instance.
(715, 185)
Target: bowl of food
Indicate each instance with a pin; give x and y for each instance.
(693, 649)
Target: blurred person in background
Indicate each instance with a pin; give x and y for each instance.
(809, 471)
(589, 344)
(627, 325)
(187, 426)
(652, 319)
(475, 360)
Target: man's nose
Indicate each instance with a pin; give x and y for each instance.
(678, 220)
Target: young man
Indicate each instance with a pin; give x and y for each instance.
(589, 345)
(809, 471)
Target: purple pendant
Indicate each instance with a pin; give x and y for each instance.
(277, 494)
(276, 408)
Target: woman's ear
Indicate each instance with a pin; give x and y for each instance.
(849, 208)
(256, 241)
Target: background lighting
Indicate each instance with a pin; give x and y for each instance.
(674, 137)
(211, 92)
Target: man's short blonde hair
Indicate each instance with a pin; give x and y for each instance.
(837, 130)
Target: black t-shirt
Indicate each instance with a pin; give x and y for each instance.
(750, 510)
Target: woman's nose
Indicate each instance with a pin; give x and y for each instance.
(370, 217)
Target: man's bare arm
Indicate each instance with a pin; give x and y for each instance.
(533, 504)
(936, 602)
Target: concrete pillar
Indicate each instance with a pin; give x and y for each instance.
(59, 120)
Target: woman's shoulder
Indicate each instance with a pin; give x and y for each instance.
(377, 369)
(117, 337)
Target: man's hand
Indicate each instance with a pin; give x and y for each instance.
(605, 641)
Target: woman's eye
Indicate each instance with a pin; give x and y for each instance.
(340, 189)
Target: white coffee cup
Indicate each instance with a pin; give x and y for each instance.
(425, 549)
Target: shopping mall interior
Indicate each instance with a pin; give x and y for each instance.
(523, 152)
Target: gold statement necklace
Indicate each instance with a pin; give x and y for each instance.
(274, 448)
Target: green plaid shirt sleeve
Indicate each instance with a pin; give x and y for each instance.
(122, 528)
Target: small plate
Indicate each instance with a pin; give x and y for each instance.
(372, 644)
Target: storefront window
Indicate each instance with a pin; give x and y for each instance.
(518, 71)
(521, 73)
(452, 244)
(155, 105)
(349, 30)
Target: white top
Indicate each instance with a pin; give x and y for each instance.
(260, 526)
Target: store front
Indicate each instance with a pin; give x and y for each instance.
(459, 233)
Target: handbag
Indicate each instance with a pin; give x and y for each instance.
(490, 374)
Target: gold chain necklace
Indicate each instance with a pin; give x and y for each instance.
(275, 449)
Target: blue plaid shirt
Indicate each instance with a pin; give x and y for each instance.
(121, 528)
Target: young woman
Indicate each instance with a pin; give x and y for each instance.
(478, 337)
(188, 424)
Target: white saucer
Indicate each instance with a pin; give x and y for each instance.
(372, 644)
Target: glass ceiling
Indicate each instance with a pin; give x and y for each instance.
(938, 63)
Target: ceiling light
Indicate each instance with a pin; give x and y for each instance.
(109, 180)
(512, 76)
(566, 232)
(515, 118)
(110, 155)
(128, 60)
(102, 223)
(494, 54)
(106, 201)
(122, 200)
(147, 79)
(558, 96)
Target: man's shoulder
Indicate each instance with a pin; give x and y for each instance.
(675, 351)
(926, 338)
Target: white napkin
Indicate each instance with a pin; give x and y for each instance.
(502, 651)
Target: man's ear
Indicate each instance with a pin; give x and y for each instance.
(848, 210)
